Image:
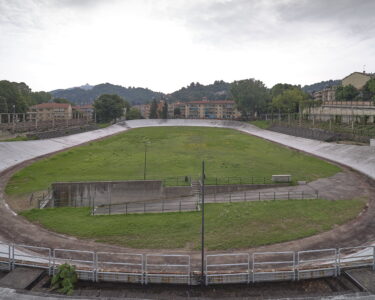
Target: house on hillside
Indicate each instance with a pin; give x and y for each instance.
(357, 79)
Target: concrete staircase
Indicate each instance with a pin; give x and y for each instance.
(196, 191)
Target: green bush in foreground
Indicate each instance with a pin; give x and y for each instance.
(65, 279)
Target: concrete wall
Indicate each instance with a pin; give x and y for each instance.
(105, 192)
(114, 192)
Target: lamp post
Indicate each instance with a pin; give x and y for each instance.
(145, 160)
(202, 228)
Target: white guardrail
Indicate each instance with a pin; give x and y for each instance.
(177, 269)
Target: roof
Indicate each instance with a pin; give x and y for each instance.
(211, 102)
(86, 106)
(371, 75)
(51, 105)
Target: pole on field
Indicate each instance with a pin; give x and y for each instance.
(202, 229)
(145, 163)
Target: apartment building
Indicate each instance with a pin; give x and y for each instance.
(214, 109)
(51, 111)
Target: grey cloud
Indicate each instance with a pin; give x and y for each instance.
(220, 21)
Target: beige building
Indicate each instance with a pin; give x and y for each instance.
(215, 109)
(357, 79)
(51, 111)
(328, 94)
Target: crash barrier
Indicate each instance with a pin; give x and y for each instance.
(179, 269)
(193, 204)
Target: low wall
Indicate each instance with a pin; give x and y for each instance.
(116, 192)
(230, 188)
(105, 192)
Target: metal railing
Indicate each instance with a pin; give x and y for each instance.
(192, 204)
(316, 263)
(179, 269)
(164, 268)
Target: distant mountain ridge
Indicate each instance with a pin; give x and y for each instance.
(219, 90)
(87, 94)
(320, 85)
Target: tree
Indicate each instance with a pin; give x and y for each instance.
(250, 95)
(279, 88)
(14, 97)
(133, 114)
(346, 93)
(369, 90)
(154, 110)
(164, 112)
(177, 112)
(289, 100)
(62, 100)
(40, 97)
(109, 107)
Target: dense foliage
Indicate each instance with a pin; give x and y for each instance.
(109, 107)
(251, 96)
(219, 90)
(17, 97)
(320, 86)
(65, 279)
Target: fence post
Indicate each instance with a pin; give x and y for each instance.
(288, 195)
(126, 208)
(245, 196)
(317, 194)
(302, 195)
(144, 207)
(162, 205)
(230, 196)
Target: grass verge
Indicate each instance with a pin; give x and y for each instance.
(171, 151)
(228, 226)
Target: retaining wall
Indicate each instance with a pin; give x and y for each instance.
(105, 192)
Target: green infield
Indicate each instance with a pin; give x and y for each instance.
(228, 226)
(171, 151)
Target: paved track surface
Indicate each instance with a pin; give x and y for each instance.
(15, 155)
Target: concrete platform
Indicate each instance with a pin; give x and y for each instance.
(21, 278)
(365, 277)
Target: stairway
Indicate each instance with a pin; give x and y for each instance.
(196, 191)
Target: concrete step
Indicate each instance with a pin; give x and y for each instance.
(364, 278)
(22, 278)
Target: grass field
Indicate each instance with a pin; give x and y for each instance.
(228, 226)
(171, 151)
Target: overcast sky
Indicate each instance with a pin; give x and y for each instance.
(166, 44)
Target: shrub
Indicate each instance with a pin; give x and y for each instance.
(65, 279)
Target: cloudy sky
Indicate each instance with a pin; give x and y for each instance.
(166, 44)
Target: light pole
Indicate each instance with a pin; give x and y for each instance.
(145, 160)
(202, 228)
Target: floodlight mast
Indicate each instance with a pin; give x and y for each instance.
(202, 229)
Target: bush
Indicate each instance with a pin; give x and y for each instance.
(65, 279)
